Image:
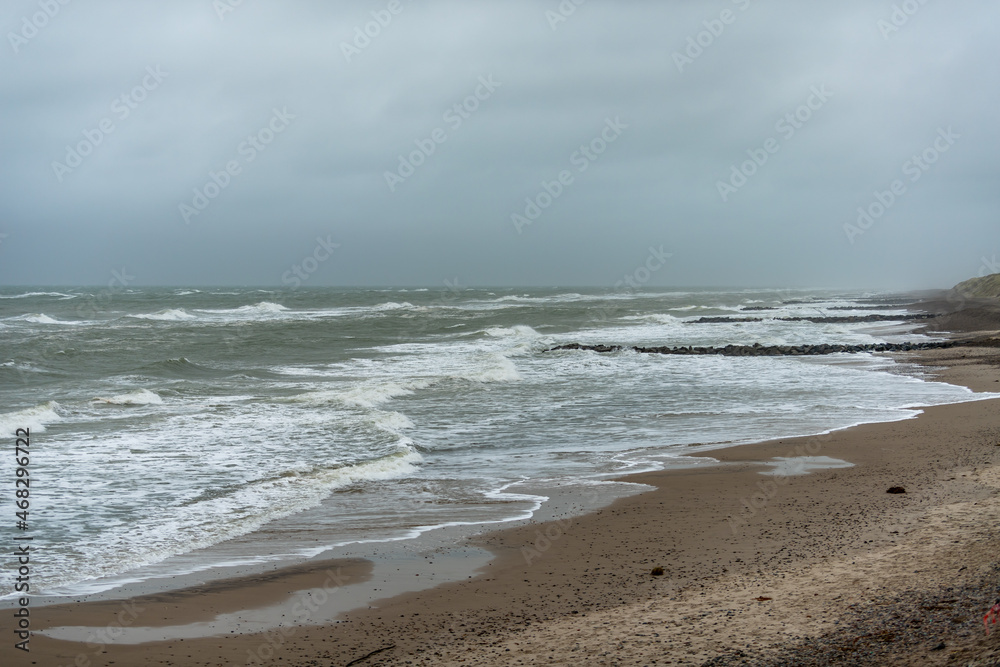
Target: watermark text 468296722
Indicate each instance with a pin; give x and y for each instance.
(22, 542)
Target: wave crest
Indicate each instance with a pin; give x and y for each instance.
(27, 295)
(262, 308)
(139, 397)
(367, 395)
(34, 418)
(516, 331)
(168, 315)
(40, 318)
(392, 305)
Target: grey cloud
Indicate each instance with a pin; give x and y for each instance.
(657, 184)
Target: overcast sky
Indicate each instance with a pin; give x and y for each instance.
(338, 121)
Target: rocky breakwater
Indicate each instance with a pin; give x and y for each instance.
(758, 350)
(842, 319)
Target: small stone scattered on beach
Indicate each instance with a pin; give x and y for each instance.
(896, 489)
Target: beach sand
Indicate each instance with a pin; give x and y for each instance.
(821, 568)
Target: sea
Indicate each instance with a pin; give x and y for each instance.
(176, 430)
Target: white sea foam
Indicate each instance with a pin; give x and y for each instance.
(301, 371)
(139, 397)
(197, 526)
(34, 418)
(392, 305)
(481, 367)
(40, 318)
(516, 331)
(21, 367)
(26, 295)
(555, 298)
(168, 315)
(369, 394)
(511, 297)
(257, 310)
(393, 466)
(374, 394)
(262, 308)
(690, 308)
(332, 312)
(392, 422)
(492, 368)
(655, 318)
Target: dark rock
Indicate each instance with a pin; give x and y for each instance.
(896, 489)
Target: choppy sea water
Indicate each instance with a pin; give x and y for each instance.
(192, 427)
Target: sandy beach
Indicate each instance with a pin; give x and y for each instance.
(819, 568)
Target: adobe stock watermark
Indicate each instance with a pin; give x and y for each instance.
(363, 35)
(555, 530)
(91, 307)
(299, 273)
(696, 44)
(656, 260)
(121, 108)
(914, 168)
(544, 540)
(305, 606)
(769, 488)
(900, 16)
(254, 145)
(958, 299)
(453, 294)
(424, 324)
(581, 158)
(565, 9)
(636, 280)
(455, 117)
(30, 26)
(988, 267)
(786, 126)
(98, 641)
(88, 308)
(236, 336)
(223, 7)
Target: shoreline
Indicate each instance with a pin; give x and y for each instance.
(561, 500)
(499, 604)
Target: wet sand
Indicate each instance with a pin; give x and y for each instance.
(820, 568)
